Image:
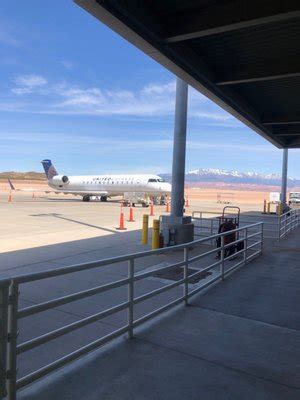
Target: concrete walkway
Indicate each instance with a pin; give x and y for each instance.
(239, 340)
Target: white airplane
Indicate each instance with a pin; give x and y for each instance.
(105, 186)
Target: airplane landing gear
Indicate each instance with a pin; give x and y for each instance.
(86, 197)
(103, 198)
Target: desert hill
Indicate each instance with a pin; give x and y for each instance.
(30, 175)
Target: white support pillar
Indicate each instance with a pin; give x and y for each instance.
(284, 176)
(179, 150)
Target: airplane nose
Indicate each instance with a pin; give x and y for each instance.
(167, 187)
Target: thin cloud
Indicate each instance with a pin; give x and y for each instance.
(212, 116)
(94, 101)
(152, 100)
(67, 64)
(8, 35)
(26, 84)
(124, 144)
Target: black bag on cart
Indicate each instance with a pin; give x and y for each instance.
(240, 246)
(226, 226)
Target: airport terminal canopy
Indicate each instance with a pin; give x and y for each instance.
(244, 55)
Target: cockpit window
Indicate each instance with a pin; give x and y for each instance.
(152, 180)
(160, 180)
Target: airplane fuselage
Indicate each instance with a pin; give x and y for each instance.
(110, 185)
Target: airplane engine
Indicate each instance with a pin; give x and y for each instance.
(60, 180)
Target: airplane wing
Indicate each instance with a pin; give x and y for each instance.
(11, 185)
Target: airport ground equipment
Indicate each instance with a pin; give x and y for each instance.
(229, 223)
(134, 198)
(294, 198)
(187, 255)
(144, 200)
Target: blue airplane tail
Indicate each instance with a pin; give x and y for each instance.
(49, 168)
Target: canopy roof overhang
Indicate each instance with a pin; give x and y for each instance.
(243, 55)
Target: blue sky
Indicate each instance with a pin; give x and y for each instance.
(74, 91)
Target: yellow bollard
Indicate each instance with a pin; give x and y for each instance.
(155, 234)
(145, 229)
(265, 206)
(281, 208)
(269, 207)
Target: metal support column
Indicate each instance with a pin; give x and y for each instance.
(284, 176)
(179, 147)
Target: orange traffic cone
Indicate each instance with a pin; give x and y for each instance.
(168, 207)
(10, 197)
(131, 215)
(122, 225)
(151, 210)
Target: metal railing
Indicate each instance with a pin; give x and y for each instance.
(288, 222)
(189, 254)
(275, 226)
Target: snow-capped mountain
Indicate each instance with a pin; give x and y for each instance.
(232, 176)
(231, 173)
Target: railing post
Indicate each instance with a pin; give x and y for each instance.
(294, 219)
(4, 293)
(261, 238)
(245, 245)
(12, 340)
(130, 297)
(186, 275)
(222, 265)
(279, 227)
(285, 225)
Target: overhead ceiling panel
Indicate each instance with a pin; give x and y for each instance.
(244, 55)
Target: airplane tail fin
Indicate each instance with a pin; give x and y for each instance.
(11, 185)
(49, 168)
